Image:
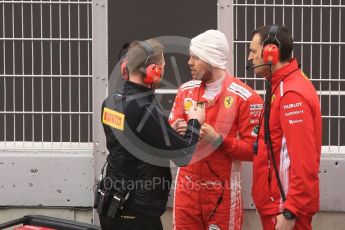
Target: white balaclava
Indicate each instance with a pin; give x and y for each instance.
(211, 47)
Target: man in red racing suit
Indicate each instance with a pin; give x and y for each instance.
(208, 191)
(296, 132)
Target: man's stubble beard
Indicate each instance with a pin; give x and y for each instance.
(204, 76)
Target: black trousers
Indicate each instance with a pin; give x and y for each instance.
(131, 221)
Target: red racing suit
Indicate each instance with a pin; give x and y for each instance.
(296, 133)
(208, 192)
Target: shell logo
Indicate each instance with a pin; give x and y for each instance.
(188, 103)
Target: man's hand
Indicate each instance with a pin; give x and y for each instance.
(284, 224)
(198, 113)
(208, 134)
(180, 126)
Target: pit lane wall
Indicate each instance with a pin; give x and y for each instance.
(60, 184)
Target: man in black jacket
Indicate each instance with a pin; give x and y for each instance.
(142, 143)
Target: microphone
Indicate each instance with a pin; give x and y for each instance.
(251, 67)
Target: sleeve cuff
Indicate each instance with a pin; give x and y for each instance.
(293, 209)
(218, 142)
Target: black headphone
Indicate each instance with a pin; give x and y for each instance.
(271, 45)
(152, 73)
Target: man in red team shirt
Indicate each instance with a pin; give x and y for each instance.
(208, 192)
(295, 136)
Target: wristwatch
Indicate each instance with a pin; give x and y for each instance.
(288, 215)
(218, 141)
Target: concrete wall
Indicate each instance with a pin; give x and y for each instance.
(44, 178)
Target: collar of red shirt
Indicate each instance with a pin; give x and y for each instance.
(279, 74)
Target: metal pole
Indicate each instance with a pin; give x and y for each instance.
(99, 82)
(225, 24)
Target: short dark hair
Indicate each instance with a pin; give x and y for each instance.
(141, 53)
(284, 37)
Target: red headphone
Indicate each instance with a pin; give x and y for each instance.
(151, 73)
(270, 52)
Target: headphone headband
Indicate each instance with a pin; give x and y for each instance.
(272, 36)
(148, 49)
(273, 30)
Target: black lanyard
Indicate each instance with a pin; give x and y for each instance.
(263, 112)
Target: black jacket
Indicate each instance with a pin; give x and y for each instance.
(141, 144)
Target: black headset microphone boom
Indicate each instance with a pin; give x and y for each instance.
(251, 67)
